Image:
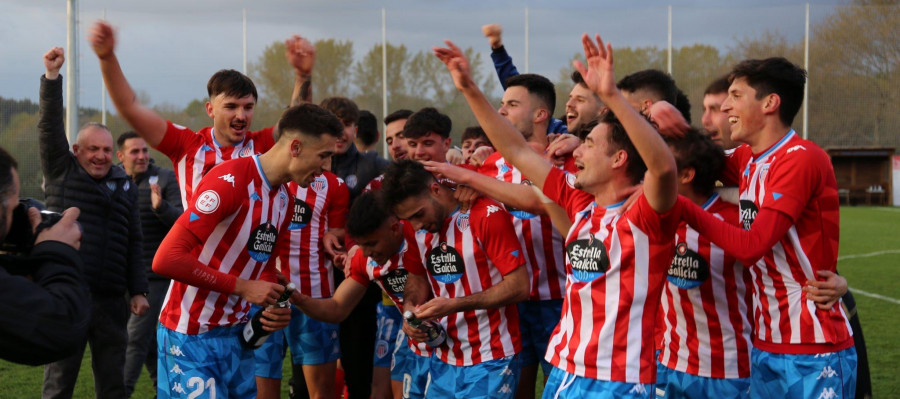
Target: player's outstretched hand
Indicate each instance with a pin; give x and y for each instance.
(275, 319)
(435, 308)
(457, 64)
(826, 293)
(454, 156)
(562, 146)
(102, 38)
(494, 33)
(414, 333)
(446, 170)
(669, 121)
(332, 244)
(258, 292)
(599, 74)
(53, 61)
(301, 54)
(480, 155)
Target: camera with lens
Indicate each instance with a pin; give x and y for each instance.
(20, 237)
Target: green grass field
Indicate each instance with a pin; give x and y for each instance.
(869, 259)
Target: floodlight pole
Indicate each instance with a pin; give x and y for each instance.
(526, 40)
(670, 42)
(384, 104)
(72, 70)
(806, 86)
(244, 19)
(103, 90)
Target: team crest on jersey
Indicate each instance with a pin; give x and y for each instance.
(126, 186)
(688, 269)
(763, 172)
(445, 264)
(247, 150)
(381, 348)
(319, 184)
(302, 215)
(394, 282)
(748, 213)
(462, 222)
(351, 181)
(570, 180)
(207, 202)
(262, 241)
(111, 185)
(589, 259)
(282, 200)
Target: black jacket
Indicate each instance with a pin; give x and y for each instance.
(110, 220)
(155, 223)
(357, 169)
(46, 319)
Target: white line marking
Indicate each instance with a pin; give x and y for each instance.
(870, 254)
(876, 296)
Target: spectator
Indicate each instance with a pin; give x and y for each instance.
(111, 244)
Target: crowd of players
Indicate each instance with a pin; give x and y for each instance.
(622, 251)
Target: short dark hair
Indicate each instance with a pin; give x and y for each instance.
(344, 108)
(7, 164)
(618, 140)
(661, 85)
(310, 120)
(404, 179)
(131, 134)
(774, 75)
(698, 151)
(231, 83)
(397, 115)
(586, 128)
(578, 79)
(368, 128)
(718, 86)
(536, 85)
(475, 132)
(367, 214)
(427, 120)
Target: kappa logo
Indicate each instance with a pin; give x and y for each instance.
(176, 370)
(506, 371)
(176, 387)
(228, 177)
(175, 351)
(827, 372)
(795, 148)
(505, 389)
(491, 209)
(828, 393)
(638, 389)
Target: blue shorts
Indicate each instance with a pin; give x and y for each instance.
(212, 364)
(312, 342)
(826, 375)
(389, 323)
(677, 384)
(563, 385)
(413, 370)
(537, 320)
(496, 378)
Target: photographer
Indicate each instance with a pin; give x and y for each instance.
(42, 318)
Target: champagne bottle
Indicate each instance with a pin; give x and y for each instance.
(435, 332)
(253, 334)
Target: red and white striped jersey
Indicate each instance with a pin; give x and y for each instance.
(319, 207)
(706, 304)
(616, 266)
(193, 154)
(542, 243)
(239, 218)
(794, 177)
(374, 184)
(472, 253)
(391, 276)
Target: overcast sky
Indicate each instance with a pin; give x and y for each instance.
(169, 48)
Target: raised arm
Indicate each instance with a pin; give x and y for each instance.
(518, 196)
(147, 123)
(660, 184)
(54, 147)
(301, 54)
(503, 63)
(506, 139)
